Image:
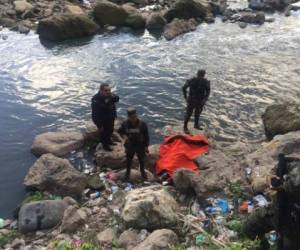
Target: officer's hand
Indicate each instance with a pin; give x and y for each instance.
(147, 150)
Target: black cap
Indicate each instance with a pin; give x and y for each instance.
(131, 111)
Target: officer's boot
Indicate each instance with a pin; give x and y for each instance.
(185, 127)
(196, 125)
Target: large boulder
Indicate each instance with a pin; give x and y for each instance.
(162, 239)
(136, 21)
(178, 27)
(155, 21)
(150, 208)
(55, 175)
(264, 160)
(66, 26)
(128, 239)
(281, 119)
(41, 215)
(106, 12)
(218, 170)
(22, 6)
(183, 9)
(116, 159)
(58, 143)
(73, 219)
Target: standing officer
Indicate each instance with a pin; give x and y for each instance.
(104, 114)
(199, 90)
(135, 133)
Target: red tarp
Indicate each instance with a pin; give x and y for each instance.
(180, 151)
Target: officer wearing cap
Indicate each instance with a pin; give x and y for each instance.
(199, 90)
(135, 133)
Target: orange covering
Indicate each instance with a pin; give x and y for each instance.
(180, 151)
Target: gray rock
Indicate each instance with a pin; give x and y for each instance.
(7, 22)
(55, 175)
(183, 9)
(66, 26)
(155, 21)
(41, 215)
(135, 21)
(22, 6)
(178, 27)
(265, 158)
(243, 25)
(73, 219)
(106, 12)
(135, 175)
(281, 119)
(94, 182)
(58, 143)
(150, 208)
(162, 239)
(128, 239)
(23, 29)
(106, 236)
(74, 9)
(249, 17)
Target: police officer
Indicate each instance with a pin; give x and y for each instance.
(135, 133)
(199, 90)
(104, 114)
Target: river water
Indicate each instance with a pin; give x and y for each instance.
(44, 88)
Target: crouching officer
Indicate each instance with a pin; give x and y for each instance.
(135, 133)
(104, 114)
(199, 90)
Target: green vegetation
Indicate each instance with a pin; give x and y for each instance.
(237, 191)
(38, 196)
(4, 239)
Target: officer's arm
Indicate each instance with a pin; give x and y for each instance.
(95, 112)
(115, 98)
(207, 89)
(122, 130)
(184, 88)
(146, 135)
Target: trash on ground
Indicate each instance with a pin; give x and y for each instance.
(260, 200)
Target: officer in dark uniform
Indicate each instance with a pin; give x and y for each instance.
(199, 90)
(135, 132)
(104, 114)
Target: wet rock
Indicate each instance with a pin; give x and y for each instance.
(41, 215)
(178, 27)
(22, 6)
(7, 22)
(136, 21)
(58, 143)
(106, 237)
(267, 5)
(55, 175)
(264, 159)
(243, 25)
(249, 17)
(155, 21)
(128, 239)
(73, 219)
(150, 208)
(106, 12)
(188, 9)
(66, 26)
(135, 176)
(162, 239)
(23, 29)
(281, 119)
(74, 9)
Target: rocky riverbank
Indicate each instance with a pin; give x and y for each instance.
(61, 20)
(89, 207)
